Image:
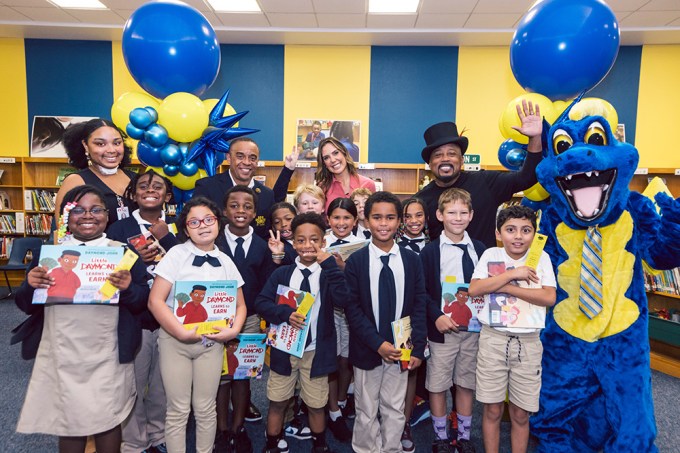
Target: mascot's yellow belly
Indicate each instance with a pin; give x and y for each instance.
(618, 312)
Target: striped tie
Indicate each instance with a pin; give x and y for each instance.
(590, 296)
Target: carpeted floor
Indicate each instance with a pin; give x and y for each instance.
(15, 373)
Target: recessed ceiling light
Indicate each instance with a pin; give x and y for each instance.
(79, 4)
(393, 6)
(235, 6)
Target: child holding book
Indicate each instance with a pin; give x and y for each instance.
(191, 365)
(451, 257)
(316, 272)
(359, 197)
(309, 198)
(509, 358)
(379, 295)
(251, 255)
(83, 377)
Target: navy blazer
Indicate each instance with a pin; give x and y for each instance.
(431, 258)
(256, 270)
(334, 292)
(364, 339)
(133, 302)
(215, 187)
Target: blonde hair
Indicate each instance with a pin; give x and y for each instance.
(361, 191)
(452, 195)
(311, 189)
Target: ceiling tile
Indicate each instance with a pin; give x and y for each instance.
(441, 20)
(46, 14)
(446, 6)
(489, 21)
(292, 20)
(29, 3)
(675, 23)
(503, 6)
(7, 13)
(341, 20)
(626, 5)
(391, 20)
(124, 4)
(649, 19)
(243, 19)
(661, 5)
(288, 6)
(97, 17)
(341, 6)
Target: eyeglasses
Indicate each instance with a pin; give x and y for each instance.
(97, 211)
(195, 223)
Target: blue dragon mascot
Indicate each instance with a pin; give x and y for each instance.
(596, 389)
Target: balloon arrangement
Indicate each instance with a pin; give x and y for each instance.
(172, 52)
(550, 41)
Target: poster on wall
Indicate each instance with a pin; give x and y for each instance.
(48, 132)
(620, 132)
(311, 131)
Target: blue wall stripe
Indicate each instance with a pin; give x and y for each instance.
(621, 87)
(254, 74)
(411, 89)
(68, 78)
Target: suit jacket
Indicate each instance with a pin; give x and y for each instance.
(431, 259)
(364, 339)
(333, 292)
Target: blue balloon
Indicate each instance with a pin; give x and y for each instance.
(156, 135)
(509, 151)
(148, 155)
(170, 47)
(516, 157)
(154, 114)
(171, 170)
(562, 48)
(184, 149)
(141, 118)
(178, 196)
(188, 168)
(170, 155)
(134, 132)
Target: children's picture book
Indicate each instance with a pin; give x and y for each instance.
(244, 356)
(460, 307)
(401, 330)
(285, 337)
(79, 274)
(205, 304)
(509, 311)
(345, 250)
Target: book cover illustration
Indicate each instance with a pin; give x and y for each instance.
(285, 337)
(205, 304)
(509, 311)
(460, 307)
(401, 330)
(244, 356)
(345, 250)
(79, 274)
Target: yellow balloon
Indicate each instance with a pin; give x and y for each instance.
(536, 192)
(183, 115)
(595, 106)
(187, 182)
(127, 102)
(559, 107)
(509, 118)
(228, 109)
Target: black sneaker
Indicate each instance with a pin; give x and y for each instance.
(441, 446)
(339, 429)
(253, 414)
(298, 430)
(465, 446)
(160, 448)
(349, 410)
(323, 449)
(223, 442)
(240, 442)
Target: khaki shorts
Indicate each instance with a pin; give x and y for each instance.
(453, 361)
(509, 362)
(342, 333)
(313, 391)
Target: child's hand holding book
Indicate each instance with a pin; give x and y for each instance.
(389, 353)
(38, 278)
(445, 324)
(297, 320)
(225, 334)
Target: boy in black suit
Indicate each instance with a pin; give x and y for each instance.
(378, 294)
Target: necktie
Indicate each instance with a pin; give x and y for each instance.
(590, 295)
(468, 265)
(200, 260)
(367, 234)
(305, 286)
(239, 253)
(339, 242)
(387, 295)
(411, 243)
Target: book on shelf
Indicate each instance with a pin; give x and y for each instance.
(63, 173)
(459, 306)
(244, 356)
(8, 224)
(39, 200)
(79, 274)
(205, 304)
(667, 281)
(5, 200)
(5, 247)
(401, 330)
(285, 337)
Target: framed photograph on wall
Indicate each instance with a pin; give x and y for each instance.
(48, 132)
(311, 131)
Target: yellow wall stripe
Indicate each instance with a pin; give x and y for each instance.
(122, 80)
(13, 124)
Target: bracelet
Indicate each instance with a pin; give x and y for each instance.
(278, 256)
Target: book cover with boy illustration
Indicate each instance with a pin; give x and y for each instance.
(401, 330)
(205, 304)
(79, 274)
(244, 356)
(460, 307)
(509, 311)
(285, 337)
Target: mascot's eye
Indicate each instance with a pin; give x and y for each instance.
(562, 141)
(595, 135)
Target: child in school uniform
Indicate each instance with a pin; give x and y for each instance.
(191, 364)
(453, 358)
(309, 198)
(314, 271)
(359, 197)
(509, 359)
(144, 430)
(380, 294)
(413, 232)
(280, 236)
(251, 255)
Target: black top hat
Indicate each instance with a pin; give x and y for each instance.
(441, 134)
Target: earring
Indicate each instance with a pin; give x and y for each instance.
(89, 162)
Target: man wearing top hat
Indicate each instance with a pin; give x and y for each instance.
(488, 189)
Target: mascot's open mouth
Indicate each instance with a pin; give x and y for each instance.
(587, 193)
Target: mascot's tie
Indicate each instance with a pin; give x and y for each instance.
(590, 296)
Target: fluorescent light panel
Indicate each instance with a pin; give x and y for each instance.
(393, 6)
(79, 4)
(235, 6)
